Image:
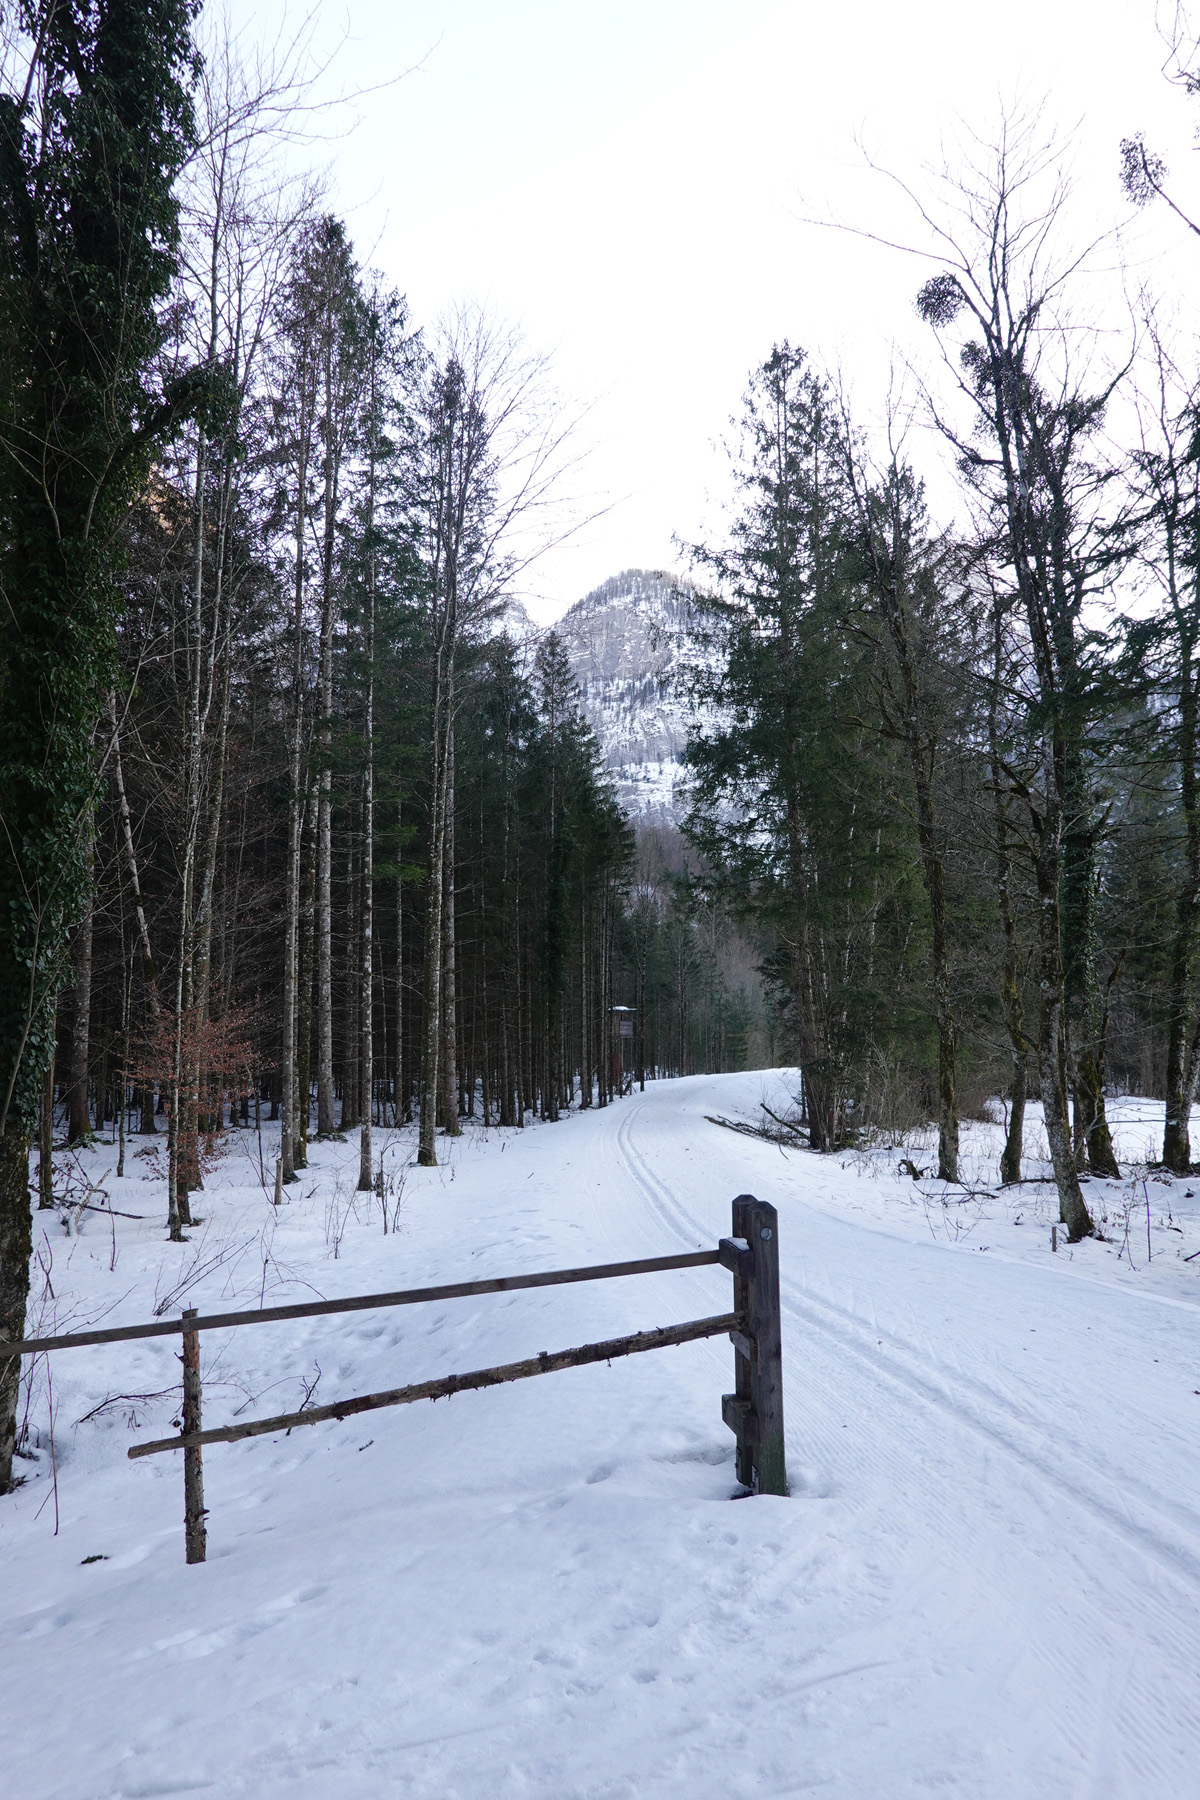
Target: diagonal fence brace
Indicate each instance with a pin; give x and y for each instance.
(544, 1364)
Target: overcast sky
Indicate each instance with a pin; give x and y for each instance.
(630, 184)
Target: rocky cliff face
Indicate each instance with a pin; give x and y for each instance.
(626, 640)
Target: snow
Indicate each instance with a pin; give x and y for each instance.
(985, 1582)
(629, 641)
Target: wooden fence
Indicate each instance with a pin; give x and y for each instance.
(753, 1412)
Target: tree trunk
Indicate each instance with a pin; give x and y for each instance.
(431, 1019)
(326, 1115)
(402, 1111)
(1014, 1014)
(1082, 1015)
(182, 1167)
(1051, 1061)
(935, 886)
(46, 1141)
(146, 1126)
(102, 1092)
(217, 686)
(178, 1212)
(1177, 1150)
(1092, 1119)
(367, 965)
(449, 1051)
(367, 920)
(79, 1124)
(123, 1087)
(1041, 560)
(16, 1244)
(351, 1030)
(326, 1122)
(307, 958)
(288, 1123)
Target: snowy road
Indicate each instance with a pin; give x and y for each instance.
(986, 1582)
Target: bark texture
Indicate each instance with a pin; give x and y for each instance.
(16, 1243)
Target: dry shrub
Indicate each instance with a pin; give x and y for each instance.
(220, 1051)
(893, 1100)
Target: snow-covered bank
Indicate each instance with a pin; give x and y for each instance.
(985, 1584)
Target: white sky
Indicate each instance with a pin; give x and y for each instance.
(628, 184)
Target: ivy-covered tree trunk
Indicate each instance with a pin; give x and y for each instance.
(79, 1124)
(16, 1243)
(90, 144)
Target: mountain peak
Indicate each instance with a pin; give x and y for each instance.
(623, 642)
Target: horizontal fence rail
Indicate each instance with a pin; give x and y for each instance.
(545, 1363)
(316, 1309)
(753, 1412)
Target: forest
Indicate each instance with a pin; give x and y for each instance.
(954, 791)
(296, 826)
(302, 825)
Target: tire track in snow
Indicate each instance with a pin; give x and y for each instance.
(1140, 1753)
(1173, 1538)
(1150, 1714)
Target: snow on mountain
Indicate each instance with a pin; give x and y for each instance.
(626, 641)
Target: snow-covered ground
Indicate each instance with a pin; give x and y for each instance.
(986, 1581)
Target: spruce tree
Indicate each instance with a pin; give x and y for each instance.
(791, 813)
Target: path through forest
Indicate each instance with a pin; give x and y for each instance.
(985, 1583)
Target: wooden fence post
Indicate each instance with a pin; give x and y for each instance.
(754, 1412)
(737, 1409)
(195, 1534)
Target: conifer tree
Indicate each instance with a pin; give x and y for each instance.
(791, 814)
